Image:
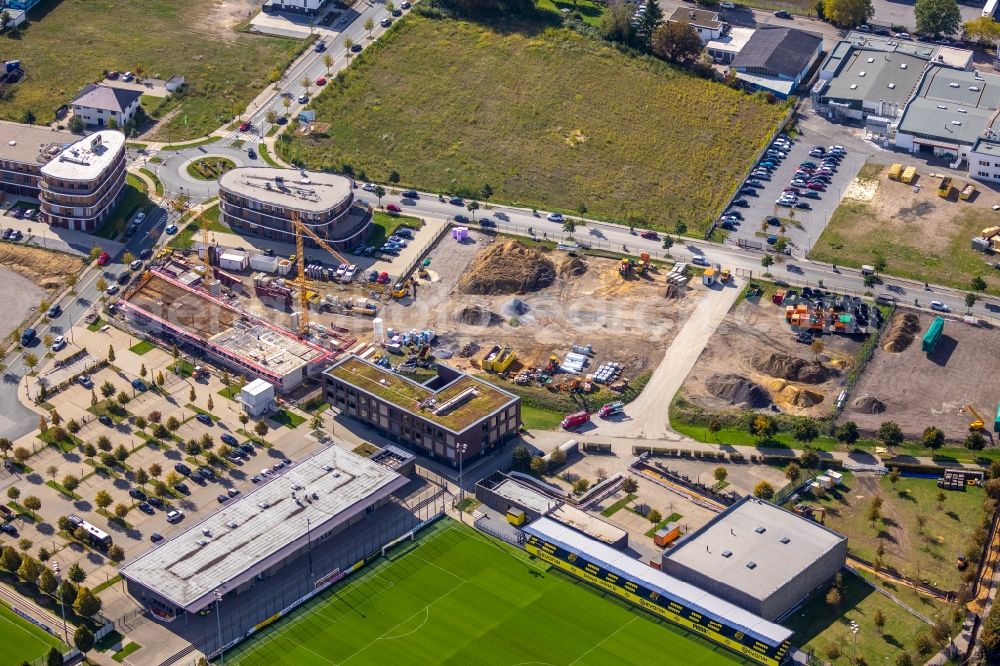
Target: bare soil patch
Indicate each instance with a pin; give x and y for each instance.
(509, 267)
(44, 268)
(918, 389)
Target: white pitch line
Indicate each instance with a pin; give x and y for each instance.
(597, 644)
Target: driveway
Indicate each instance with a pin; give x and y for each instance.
(812, 221)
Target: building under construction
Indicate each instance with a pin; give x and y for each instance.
(167, 307)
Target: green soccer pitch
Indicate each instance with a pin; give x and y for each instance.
(23, 641)
(455, 596)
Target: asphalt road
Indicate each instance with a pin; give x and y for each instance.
(172, 171)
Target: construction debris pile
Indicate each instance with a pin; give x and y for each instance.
(739, 391)
(477, 315)
(902, 330)
(508, 267)
(791, 368)
(869, 404)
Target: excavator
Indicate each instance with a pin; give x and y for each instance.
(978, 423)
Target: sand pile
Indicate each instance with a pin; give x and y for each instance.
(572, 267)
(738, 390)
(508, 267)
(903, 328)
(800, 397)
(792, 368)
(477, 315)
(869, 404)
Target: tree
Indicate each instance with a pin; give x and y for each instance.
(70, 482)
(520, 458)
(47, 582)
(116, 554)
(940, 500)
(155, 470)
(121, 510)
(805, 430)
(793, 472)
(630, 485)
(890, 434)
(52, 470)
(172, 423)
(970, 300)
(654, 516)
(569, 225)
(66, 592)
(539, 466)
(305, 83)
(975, 441)
(29, 570)
(650, 20)
(121, 453)
(933, 438)
(677, 42)
(25, 544)
(369, 26)
(141, 476)
(5, 446)
(833, 597)
(978, 283)
(122, 398)
(87, 603)
(192, 396)
(155, 416)
(111, 354)
(244, 418)
(348, 43)
(809, 458)
(379, 193)
(714, 426)
(327, 62)
(107, 389)
(32, 504)
(894, 476)
(472, 207)
(982, 29)
(937, 17)
(763, 490)
(486, 191)
(21, 454)
(668, 242)
(874, 513)
(580, 486)
(616, 22)
(83, 639)
(10, 559)
(54, 658)
(13, 493)
(261, 429)
(767, 261)
(848, 13)
(210, 404)
(720, 474)
(763, 427)
(159, 378)
(104, 443)
(904, 659)
(28, 117)
(879, 620)
(43, 425)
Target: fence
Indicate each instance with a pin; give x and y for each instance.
(513, 536)
(427, 248)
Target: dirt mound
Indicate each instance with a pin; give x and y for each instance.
(477, 315)
(508, 267)
(738, 390)
(903, 328)
(792, 369)
(573, 267)
(800, 397)
(869, 404)
(515, 307)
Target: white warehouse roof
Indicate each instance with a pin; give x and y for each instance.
(258, 387)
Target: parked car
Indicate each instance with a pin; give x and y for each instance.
(229, 439)
(782, 14)
(462, 219)
(813, 185)
(321, 81)
(803, 205)
(410, 194)
(145, 508)
(104, 419)
(182, 488)
(156, 502)
(735, 213)
(383, 278)
(85, 381)
(650, 235)
(171, 229)
(139, 385)
(303, 98)
(320, 46)
(104, 259)
(181, 468)
(222, 499)
(174, 516)
(699, 260)
(386, 22)
(356, 47)
(156, 537)
(372, 276)
(7, 528)
(54, 311)
(204, 418)
(59, 343)
(393, 208)
(135, 493)
(742, 203)
(810, 194)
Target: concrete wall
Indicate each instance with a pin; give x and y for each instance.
(799, 587)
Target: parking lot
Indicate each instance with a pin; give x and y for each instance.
(802, 227)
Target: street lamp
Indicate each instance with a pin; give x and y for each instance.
(62, 602)
(218, 623)
(854, 630)
(461, 449)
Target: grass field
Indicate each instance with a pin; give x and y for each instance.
(926, 553)
(224, 68)
(457, 597)
(547, 117)
(23, 641)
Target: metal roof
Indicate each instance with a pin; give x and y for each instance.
(868, 75)
(754, 531)
(258, 530)
(953, 106)
(623, 565)
(986, 146)
(779, 50)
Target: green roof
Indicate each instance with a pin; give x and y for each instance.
(408, 395)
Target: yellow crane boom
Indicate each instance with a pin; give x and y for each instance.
(978, 424)
(300, 255)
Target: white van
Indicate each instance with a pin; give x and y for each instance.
(867, 270)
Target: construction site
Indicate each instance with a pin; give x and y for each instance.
(779, 350)
(547, 320)
(950, 385)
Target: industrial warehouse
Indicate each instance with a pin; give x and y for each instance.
(257, 535)
(165, 306)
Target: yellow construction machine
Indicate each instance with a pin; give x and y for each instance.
(978, 423)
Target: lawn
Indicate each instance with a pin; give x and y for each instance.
(142, 347)
(385, 225)
(547, 117)
(465, 599)
(538, 418)
(921, 237)
(819, 625)
(211, 217)
(133, 198)
(224, 69)
(22, 640)
(97, 325)
(924, 554)
(210, 168)
(288, 418)
(156, 180)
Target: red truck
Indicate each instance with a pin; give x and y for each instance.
(575, 420)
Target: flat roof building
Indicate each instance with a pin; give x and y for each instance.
(24, 150)
(435, 416)
(165, 306)
(758, 556)
(726, 47)
(261, 201)
(255, 535)
(83, 185)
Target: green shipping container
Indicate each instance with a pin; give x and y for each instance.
(933, 334)
(996, 421)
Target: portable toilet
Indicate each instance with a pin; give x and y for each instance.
(515, 516)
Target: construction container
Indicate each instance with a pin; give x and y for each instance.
(932, 335)
(816, 489)
(909, 173)
(667, 535)
(968, 191)
(708, 277)
(895, 171)
(516, 517)
(231, 260)
(824, 481)
(284, 267)
(944, 188)
(779, 297)
(260, 262)
(836, 477)
(996, 421)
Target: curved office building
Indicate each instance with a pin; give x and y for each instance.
(83, 184)
(260, 201)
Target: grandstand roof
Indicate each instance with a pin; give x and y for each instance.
(778, 543)
(685, 593)
(263, 527)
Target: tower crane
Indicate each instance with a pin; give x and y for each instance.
(300, 281)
